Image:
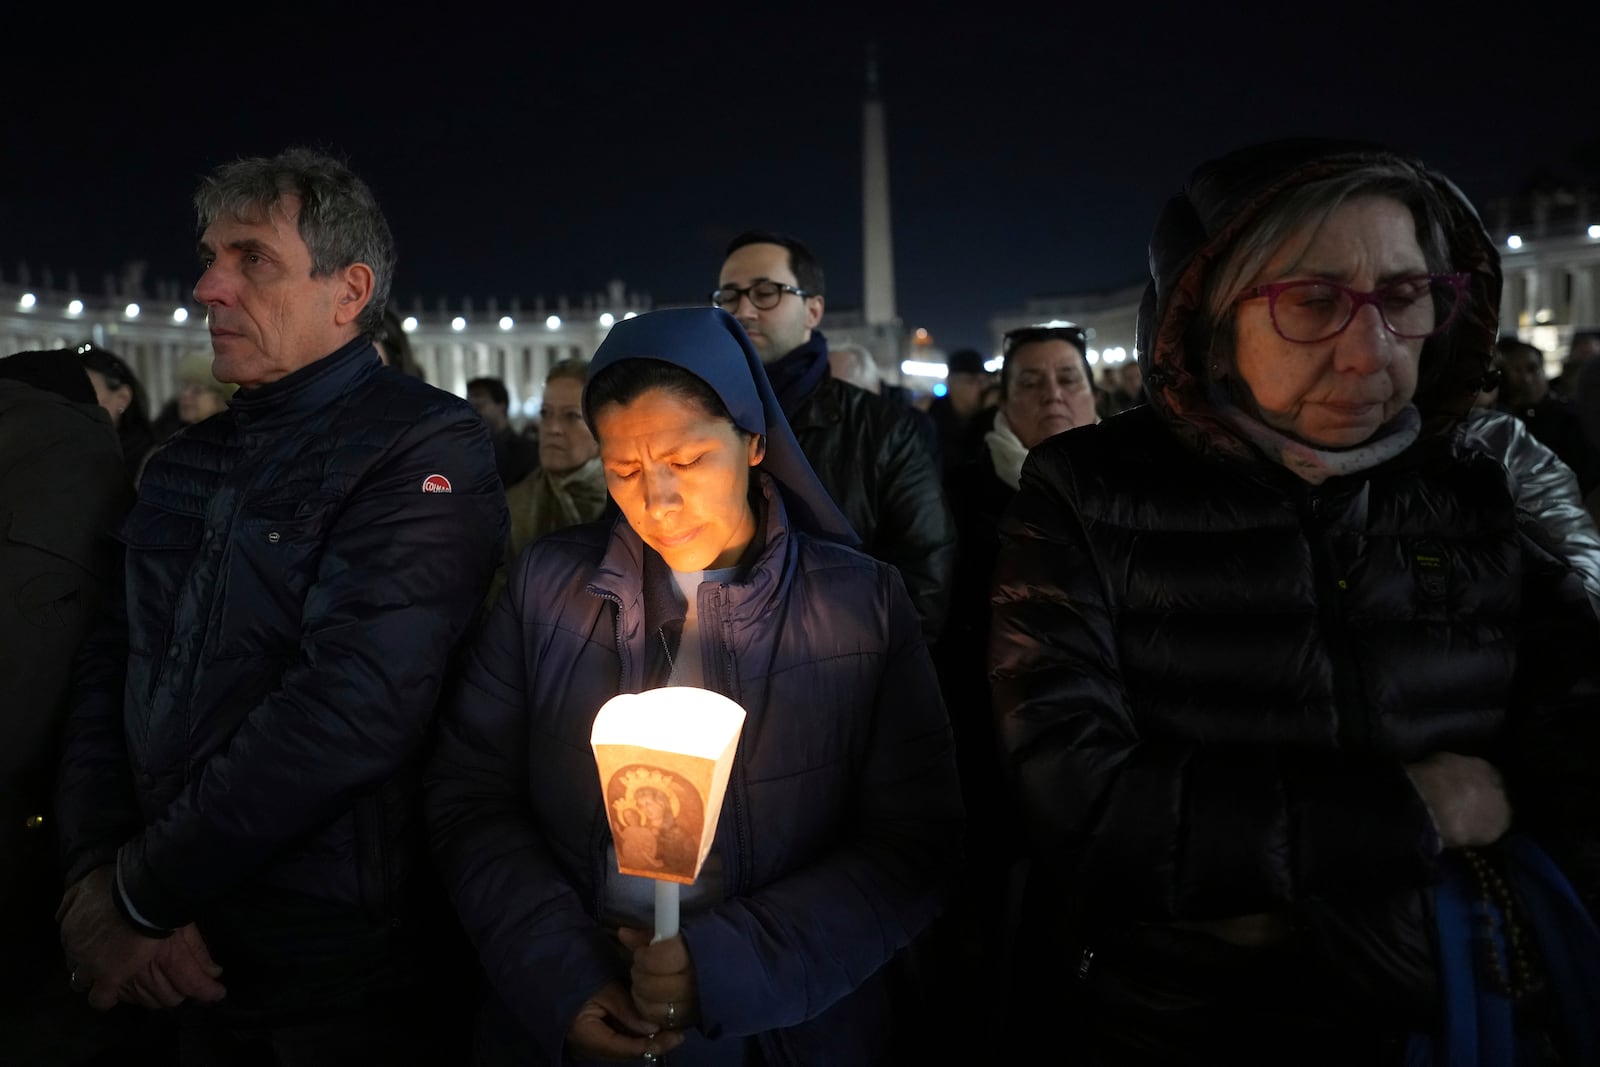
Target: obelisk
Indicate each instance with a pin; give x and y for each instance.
(877, 250)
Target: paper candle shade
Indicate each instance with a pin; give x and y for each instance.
(664, 757)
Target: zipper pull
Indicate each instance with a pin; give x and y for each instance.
(672, 667)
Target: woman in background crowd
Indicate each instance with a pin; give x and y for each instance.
(568, 487)
(200, 395)
(119, 392)
(1046, 388)
(394, 347)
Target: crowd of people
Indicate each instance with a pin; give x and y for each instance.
(1160, 719)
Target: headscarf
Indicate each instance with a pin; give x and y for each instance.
(710, 344)
(1220, 203)
(57, 371)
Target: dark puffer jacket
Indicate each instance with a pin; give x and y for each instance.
(62, 492)
(246, 745)
(839, 831)
(1209, 674)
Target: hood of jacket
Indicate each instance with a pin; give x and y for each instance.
(1200, 226)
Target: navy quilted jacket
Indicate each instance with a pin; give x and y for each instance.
(246, 744)
(841, 823)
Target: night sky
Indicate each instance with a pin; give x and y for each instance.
(528, 153)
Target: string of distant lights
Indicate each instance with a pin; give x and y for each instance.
(132, 311)
(410, 324)
(1515, 242)
(75, 308)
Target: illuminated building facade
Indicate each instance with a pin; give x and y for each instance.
(1550, 256)
(452, 345)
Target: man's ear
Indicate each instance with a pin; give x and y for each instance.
(758, 448)
(354, 291)
(813, 311)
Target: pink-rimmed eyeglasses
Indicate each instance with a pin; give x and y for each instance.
(1308, 310)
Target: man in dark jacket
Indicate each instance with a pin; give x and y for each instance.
(515, 456)
(1554, 420)
(63, 488)
(959, 414)
(867, 451)
(240, 776)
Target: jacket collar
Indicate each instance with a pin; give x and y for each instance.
(638, 581)
(308, 389)
(823, 408)
(796, 377)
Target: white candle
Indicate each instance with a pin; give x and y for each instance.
(666, 910)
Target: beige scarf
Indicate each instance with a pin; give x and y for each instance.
(1005, 451)
(543, 502)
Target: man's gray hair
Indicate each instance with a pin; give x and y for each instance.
(339, 220)
(864, 371)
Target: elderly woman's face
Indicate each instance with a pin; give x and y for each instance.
(565, 443)
(680, 476)
(197, 403)
(1335, 393)
(1047, 391)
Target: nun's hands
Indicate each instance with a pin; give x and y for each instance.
(609, 1028)
(663, 977)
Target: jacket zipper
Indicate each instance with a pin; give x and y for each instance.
(1355, 729)
(369, 828)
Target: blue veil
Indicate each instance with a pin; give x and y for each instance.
(710, 344)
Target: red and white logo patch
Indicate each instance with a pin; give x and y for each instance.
(436, 483)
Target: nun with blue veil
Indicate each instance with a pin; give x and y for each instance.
(728, 568)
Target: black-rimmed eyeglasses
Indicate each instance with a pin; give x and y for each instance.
(763, 296)
(1308, 310)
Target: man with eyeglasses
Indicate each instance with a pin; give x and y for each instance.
(867, 451)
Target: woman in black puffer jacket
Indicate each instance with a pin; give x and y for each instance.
(1268, 646)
